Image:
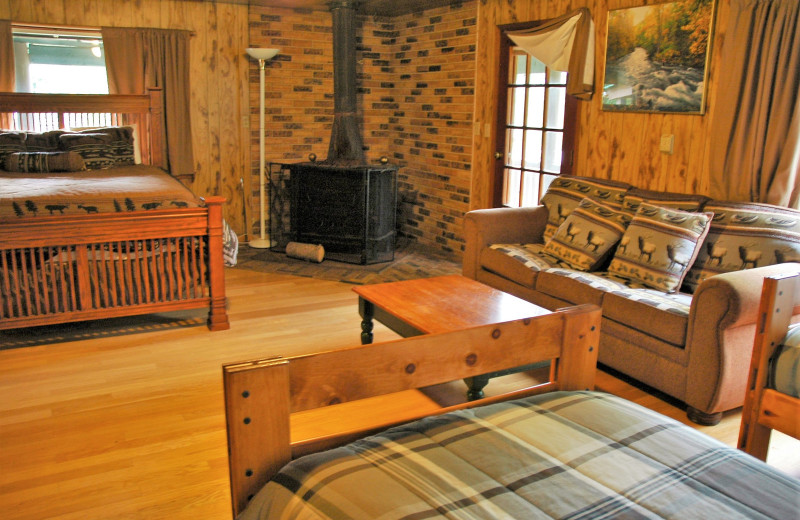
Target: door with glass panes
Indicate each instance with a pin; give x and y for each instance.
(537, 122)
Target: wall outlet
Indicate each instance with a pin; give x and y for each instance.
(667, 141)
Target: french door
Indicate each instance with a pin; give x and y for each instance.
(537, 125)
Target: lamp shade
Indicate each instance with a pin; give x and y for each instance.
(262, 54)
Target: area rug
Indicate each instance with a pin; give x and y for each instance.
(411, 260)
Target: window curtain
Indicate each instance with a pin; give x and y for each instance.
(139, 58)
(565, 43)
(7, 74)
(755, 143)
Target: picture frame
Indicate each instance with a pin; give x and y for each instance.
(657, 57)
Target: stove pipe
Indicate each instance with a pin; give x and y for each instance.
(346, 147)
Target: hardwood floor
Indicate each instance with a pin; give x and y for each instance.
(131, 426)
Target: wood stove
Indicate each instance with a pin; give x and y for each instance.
(344, 203)
(349, 210)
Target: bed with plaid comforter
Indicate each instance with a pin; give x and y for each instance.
(559, 455)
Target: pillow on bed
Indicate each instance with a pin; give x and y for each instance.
(96, 149)
(122, 142)
(43, 141)
(11, 142)
(44, 162)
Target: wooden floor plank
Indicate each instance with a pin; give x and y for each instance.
(132, 426)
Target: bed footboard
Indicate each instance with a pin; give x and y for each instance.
(84, 267)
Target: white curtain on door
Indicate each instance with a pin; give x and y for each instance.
(566, 44)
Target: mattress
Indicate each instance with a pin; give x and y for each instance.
(121, 189)
(559, 455)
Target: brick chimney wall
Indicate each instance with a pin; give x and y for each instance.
(416, 76)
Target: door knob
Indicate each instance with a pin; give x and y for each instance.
(498, 155)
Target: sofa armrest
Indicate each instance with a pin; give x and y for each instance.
(484, 227)
(719, 343)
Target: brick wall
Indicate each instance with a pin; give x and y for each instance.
(415, 77)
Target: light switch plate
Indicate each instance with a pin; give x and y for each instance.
(667, 141)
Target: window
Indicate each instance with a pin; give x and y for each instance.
(59, 62)
(537, 142)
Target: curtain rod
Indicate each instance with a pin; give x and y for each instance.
(71, 29)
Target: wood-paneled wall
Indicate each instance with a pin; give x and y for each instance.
(218, 75)
(621, 146)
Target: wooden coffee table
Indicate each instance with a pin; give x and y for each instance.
(440, 304)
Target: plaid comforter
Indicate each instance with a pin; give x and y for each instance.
(559, 455)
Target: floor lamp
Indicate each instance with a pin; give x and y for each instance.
(262, 55)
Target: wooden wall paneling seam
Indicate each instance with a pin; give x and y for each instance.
(243, 123)
(229, 109)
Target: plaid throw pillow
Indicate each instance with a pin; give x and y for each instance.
(44, 162)
(659, 246)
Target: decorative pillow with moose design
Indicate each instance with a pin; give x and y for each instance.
(662, 199)
(659, 246)
(589, 233)
(745, 235)
(567, 191)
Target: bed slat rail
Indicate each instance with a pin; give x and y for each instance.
(88, 266)
(260, 395)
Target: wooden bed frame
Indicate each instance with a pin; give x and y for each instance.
(266, 399)
(83, 267)
(766, 409)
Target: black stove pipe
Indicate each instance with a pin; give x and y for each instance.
(346, 146)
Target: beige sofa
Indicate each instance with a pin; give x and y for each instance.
(694, 346)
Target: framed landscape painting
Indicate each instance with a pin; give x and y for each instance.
(657, 57)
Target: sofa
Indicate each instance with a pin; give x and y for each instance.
(678, 277)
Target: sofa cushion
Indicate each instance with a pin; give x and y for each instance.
(577, 287)
(566, 192)
(520, 263)
(745, 235)
(655, 312)
(659, 246)
(665, 199)
(590, 232)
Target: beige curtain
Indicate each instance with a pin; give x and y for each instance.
(755, 141)
(139, 58)
(565, 43)
(7, 76)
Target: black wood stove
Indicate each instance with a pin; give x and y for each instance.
(344, 203)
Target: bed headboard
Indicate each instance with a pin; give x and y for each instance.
(42, 112)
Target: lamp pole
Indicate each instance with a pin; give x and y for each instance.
(262, 55)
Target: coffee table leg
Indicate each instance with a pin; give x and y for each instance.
(475, 386)
(367, 312)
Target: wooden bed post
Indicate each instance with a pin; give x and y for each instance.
(258, 436)
(158, 137)
(217, 314)
(577, 365)
(777, 295)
